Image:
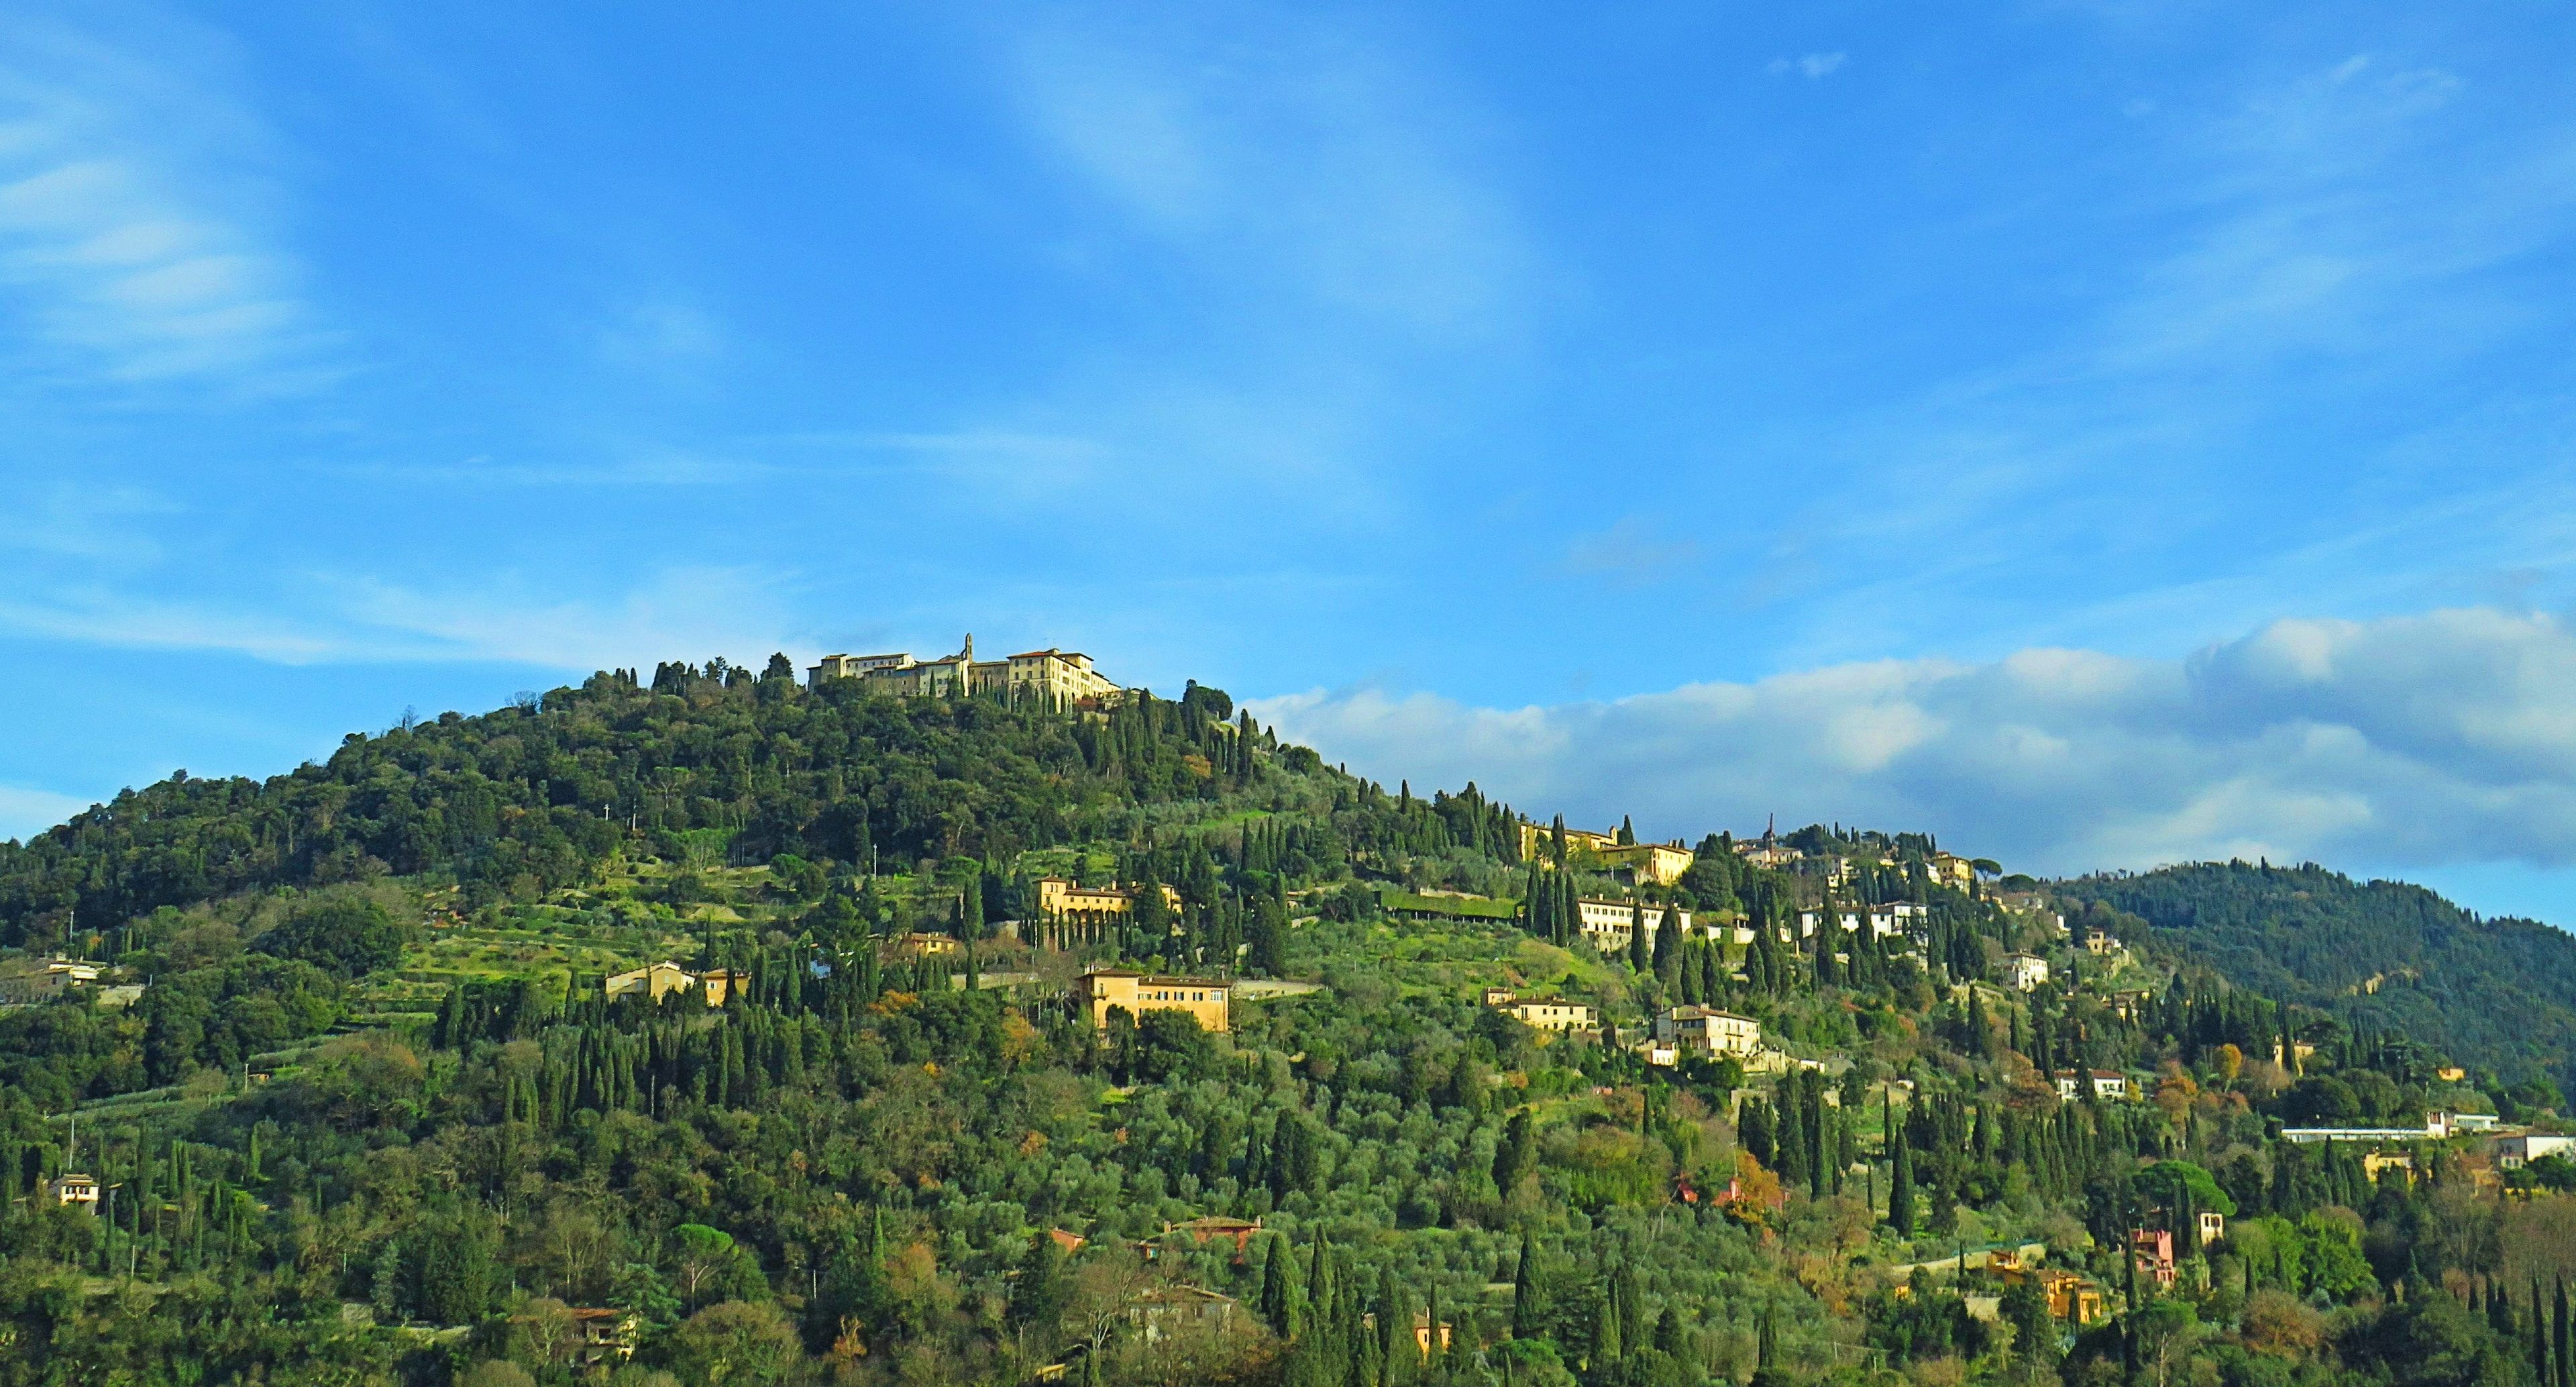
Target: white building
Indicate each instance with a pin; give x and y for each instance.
(2107, 1083)
(1609, 923)
(2437, 1127)
(1709, 1033)
(2513, 1153)
(2026, 972)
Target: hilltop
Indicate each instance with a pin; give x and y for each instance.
(900, 1026)
(2382, 955)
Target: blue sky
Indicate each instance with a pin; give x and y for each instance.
(2100, 433)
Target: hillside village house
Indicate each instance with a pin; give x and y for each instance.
(923, 944)
(52, 979)
(2107, 1083)
(2513, 1153)
(2437, 1127)
(1215, 1227)
(2153, 1249)
(2099, 942)
(2025, 972)
(1061, 899)
(1897, 917)
(654, 980)
(1535, 840)
(1659, 864)
(1168, 1310)
(1100, 989)
(1541, 1013)
(607, 1334)
(1609, 923)
(659, 980)
(2071, 1297)
(1709, 1033)
(1058, 678)
(1951, 869)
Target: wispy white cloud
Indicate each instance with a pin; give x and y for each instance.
(700, 609)
(95, 615)
(1812, 66)
(348, 620)
(26, 812)
(2337, 241)
(642, 467)
(2425, 740)
(661, 335)
(65, 520)
(2339, 218)
(1634, 551)
(138, 238)
(1289, 148)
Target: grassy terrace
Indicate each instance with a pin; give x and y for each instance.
(1398, 901)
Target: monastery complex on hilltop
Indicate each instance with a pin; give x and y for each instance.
(1060, 678)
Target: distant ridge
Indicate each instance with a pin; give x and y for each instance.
(2384, 955)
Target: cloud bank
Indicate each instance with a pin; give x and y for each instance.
(2418, 741)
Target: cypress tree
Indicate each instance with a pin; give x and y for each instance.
(1432, 1349)
(1319, 1284)
(1605, 1334)
(1278, 1289)
(1900, 1189)
(1668, 947)
(2129, 1311)
(1633, 1328)
(2539, 1334)
(1528, 1315)
(2558, 1337)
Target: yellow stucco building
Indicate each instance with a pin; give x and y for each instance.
(659, 980)
(1659, 863)
(1062, 899)
(1102, 988)
(1541, 1013)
